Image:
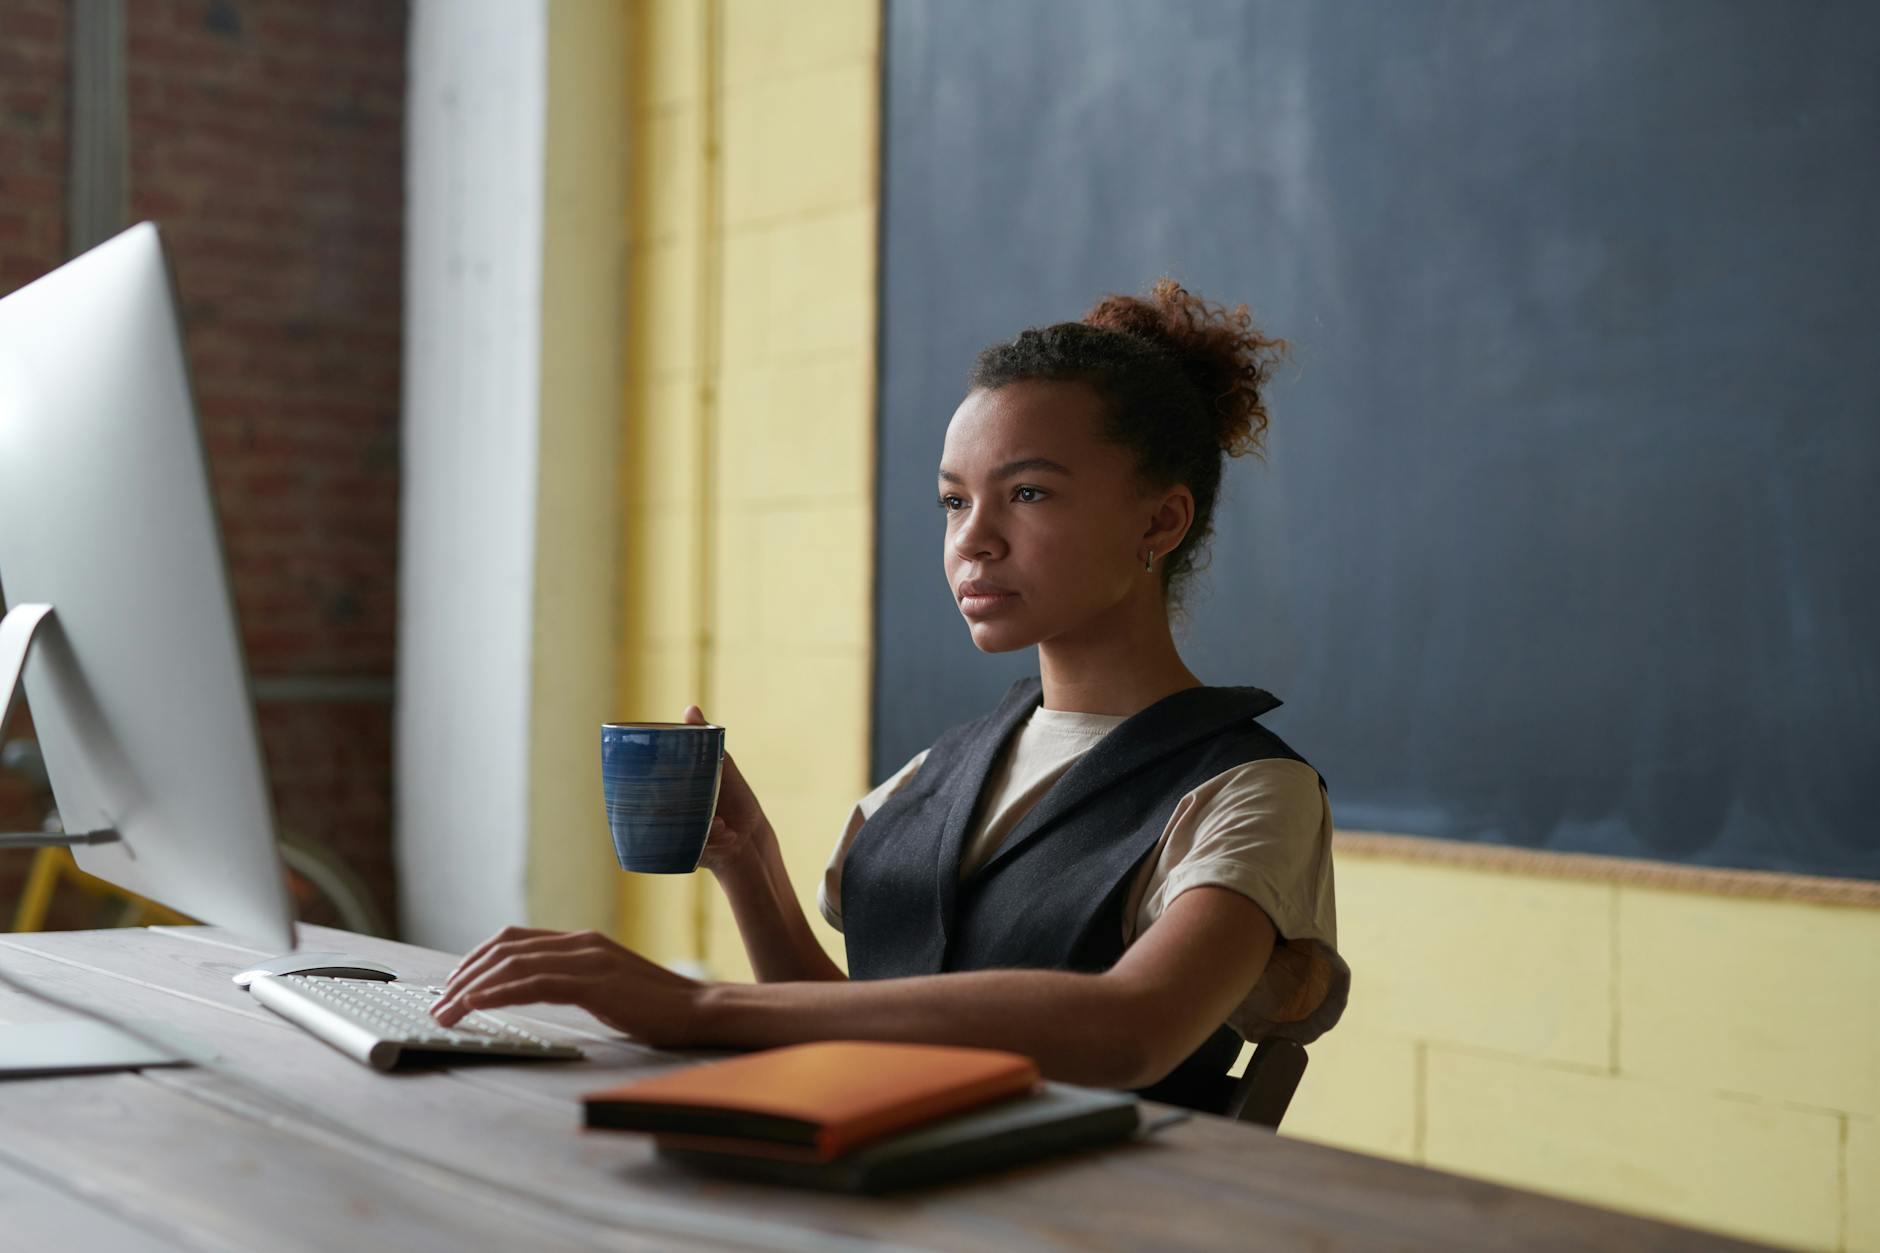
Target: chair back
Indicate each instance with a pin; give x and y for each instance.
(1266, 1087)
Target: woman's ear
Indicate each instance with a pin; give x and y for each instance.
(1168, 526)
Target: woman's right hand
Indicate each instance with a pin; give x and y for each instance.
(738, 823)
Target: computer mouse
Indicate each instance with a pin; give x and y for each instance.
(333, 965)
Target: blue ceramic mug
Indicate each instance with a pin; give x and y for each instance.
(660, 781)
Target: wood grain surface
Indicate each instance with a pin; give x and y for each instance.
(285, 1143)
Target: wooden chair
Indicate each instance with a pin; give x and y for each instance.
(1299, 980)
(1266, 1087)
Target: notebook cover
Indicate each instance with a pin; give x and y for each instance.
(828, 1097)
(1058, 1118)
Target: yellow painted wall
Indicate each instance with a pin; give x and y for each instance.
(1713, 1060)
(574, 646)
(749, 416)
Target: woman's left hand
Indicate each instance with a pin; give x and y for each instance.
(526, 965)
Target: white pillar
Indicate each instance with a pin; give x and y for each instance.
(473, 276)
(508, 533)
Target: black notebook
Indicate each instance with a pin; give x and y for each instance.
(1057, 1119)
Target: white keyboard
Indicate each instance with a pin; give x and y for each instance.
(375, 1022)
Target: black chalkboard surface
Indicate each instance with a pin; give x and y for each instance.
(1567, 535)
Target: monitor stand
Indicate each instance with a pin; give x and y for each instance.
(78, 1046)
(16, 640)
(68, 1045)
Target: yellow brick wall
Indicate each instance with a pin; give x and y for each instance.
(574, 649)
(1712, 1060)
(749, 411)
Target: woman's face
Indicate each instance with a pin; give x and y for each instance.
(1036, 504)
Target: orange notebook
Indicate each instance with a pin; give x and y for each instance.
(810, 1102)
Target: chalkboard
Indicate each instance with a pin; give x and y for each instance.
(1567, 535)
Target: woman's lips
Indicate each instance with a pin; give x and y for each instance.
(978, 604)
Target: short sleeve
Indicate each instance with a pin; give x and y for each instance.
(1263, 829)
(829, 892)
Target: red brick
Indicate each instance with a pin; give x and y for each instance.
(31, 104)
(18, 189)
(16, 272)
(21, 24)
(275, 163)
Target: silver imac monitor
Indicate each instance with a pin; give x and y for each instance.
(117, 596)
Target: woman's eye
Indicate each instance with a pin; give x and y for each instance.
(1037, 492)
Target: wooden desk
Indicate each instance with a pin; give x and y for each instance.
(492, 1155)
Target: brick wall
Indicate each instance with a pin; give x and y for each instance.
(267, 140)
(34, 114)
(33, 111)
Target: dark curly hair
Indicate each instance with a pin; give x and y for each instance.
(1180, 380)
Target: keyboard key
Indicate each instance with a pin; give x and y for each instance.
(375, 1022)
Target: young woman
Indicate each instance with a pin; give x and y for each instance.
(1117, 871)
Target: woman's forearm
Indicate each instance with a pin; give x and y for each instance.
(1080, 1028)
(776, 935)
(1125, 1028)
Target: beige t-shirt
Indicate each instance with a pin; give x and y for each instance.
(1263, 829)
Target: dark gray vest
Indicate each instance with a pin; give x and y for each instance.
(1053, 894)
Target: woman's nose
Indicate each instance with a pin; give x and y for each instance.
(975, 537)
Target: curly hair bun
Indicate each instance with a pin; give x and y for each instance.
(1226, 358)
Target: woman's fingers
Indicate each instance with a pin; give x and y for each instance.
(523, 940)
(509, 939)
(495, 953)
(555, 946)
(559, 989)
(698, 719)
(583, 963)
(694, 716)
(618, 986)
(506, 934)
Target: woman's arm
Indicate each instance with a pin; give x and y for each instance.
(1124, 1028)
(741, 850)
(776, 935)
